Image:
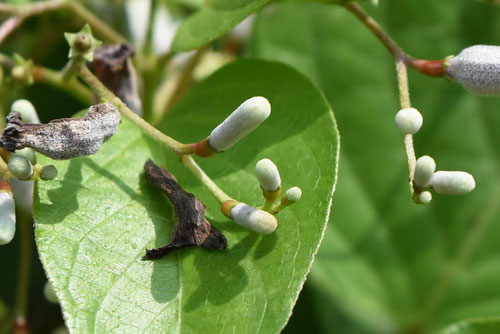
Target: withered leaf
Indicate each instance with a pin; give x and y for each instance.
(191, 226)
(114, 68)
(63, 138)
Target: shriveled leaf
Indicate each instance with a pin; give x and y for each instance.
(213, 20)
(95, 220)
(389, 265)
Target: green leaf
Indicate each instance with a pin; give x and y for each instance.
(475, 326)
(95, 220)
(212, 21)
(388, 264)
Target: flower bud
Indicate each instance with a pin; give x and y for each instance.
(268, 175)
(82, 43)
(48, 173)
(246, 118)
(477, 68)
(7, 217)
(409, 121)
(253, 219)
(424, 169)
(27, 153)
(292, 195)
(50, 294)
(28, 112)
(425, 197)
(453, 183)
(20, 167)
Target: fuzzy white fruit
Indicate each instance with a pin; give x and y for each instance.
(27, 110)
(7, 217)
(409, 121)
(246, 118)
(424, 170)
(268, 175)
(477, 68)
(425, 197)
(293, 195)
(453, 182)
(259, 221)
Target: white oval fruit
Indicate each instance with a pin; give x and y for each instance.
(268, 175)
(425, 197)
(27, 110)
(246, 118)
(477, 68)
(293, 195)
(259, 221)
(409, 121)
(424, 170)
(7, 217)
(453, 182)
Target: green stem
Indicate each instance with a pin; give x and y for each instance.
(30, 9)
(70, 69)
(404, 98)
(55, 79)
(102, 92)
(218, 193)
(148, 46)
(98, 26)
(21, 305)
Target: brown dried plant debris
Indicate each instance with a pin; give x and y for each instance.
(113, 66)
(191, 227)
(63, 138)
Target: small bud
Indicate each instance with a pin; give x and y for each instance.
(408, 121)
(50, 294)
(292, 195)
(21, 72)
(477, 68)
(48, 173)
(246, 118)
(20, 167)
(453, 183)
(268, 175)
(82, 43)
(27, 153)
(424, 169)
(27, 110)
(7, 217)
(425, 197)
(254, 219)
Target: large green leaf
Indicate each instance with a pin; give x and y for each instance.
(94, 222)
(212, 21)
(475, 326)
(388, 264)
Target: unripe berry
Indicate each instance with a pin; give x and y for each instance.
(28, 112)
(28, 153)
(49, 172)
(408, 121)
(292, 195)
(7, 217)
(82, 42)
(246, 118)
(477, 68)
(425, 197)
(424, 169)
(20, 167)
(453, 182)
(268, 175)
(254, 219)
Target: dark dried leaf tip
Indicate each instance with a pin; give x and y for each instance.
(191, 227)
(63, 138)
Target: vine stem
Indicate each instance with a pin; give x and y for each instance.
(218, 193)
(433, 68)
(404, 99)
(182, 150)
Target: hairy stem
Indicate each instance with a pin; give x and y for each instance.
(404, 98)
(189, 162)
(102, 92)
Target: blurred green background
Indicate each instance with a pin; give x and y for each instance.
(386, 265)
